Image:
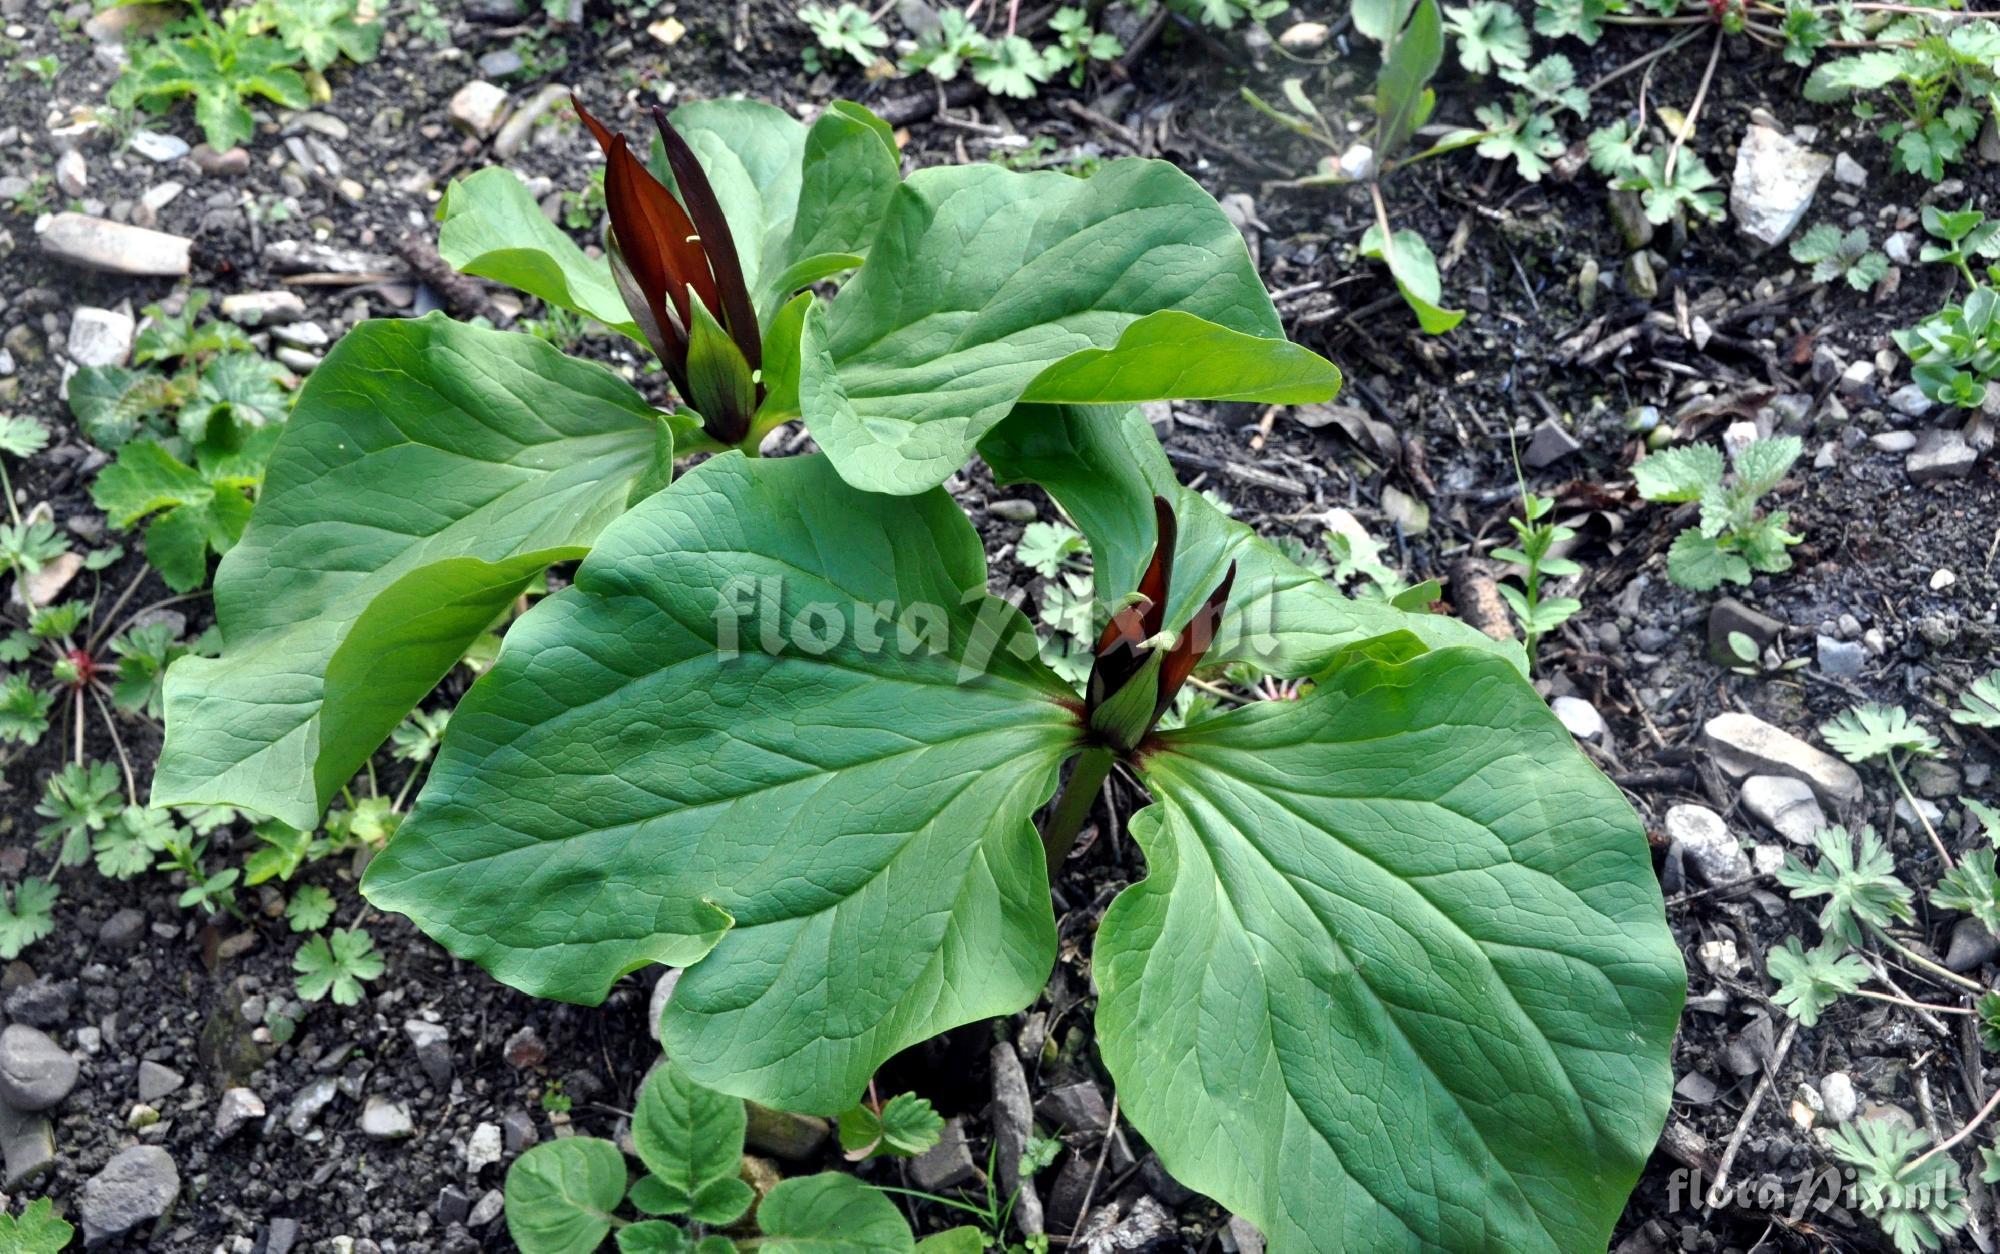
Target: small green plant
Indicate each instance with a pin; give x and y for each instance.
(310, 909)
(1078, 44)
(1810, 980)
(335, 964)
(562, 1196)
(1979, 704)
(902, 1127)
(1916, 1212)
(219, 66)
(1834, 255)
(320, 32)
(1955, 353)
(37, 1230)
(1940, 77)
(427, 23)
(1734, 536)
(77, 801)
(1538, 534)
(27, 914)
(38, 197)
(42, 69)
(848, 29)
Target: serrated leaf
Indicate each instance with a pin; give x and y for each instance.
(1979, 704)
(322, 659)
(335, 964)
(561, 1195)
(1701, 563)
(1811, 981)
(831, 1213)
(27, 914)
(36, 1230)
(1873, 730)
(1857, 876)
(1371, 1049)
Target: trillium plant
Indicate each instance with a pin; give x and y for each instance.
(1396, 973)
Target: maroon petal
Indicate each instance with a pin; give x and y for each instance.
(737, 315)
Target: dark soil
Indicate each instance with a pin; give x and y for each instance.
(193, 995)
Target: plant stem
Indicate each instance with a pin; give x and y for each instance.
(1955, 1137)
(1686, 128)
(1073, 805)
(7, 486)
(1896, 773)
(1926, 963)
(1914, 1005)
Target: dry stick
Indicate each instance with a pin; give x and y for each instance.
(1686, 127)
(1966, 1131)
(1932, 967)
(1896, 772)
(1914, 1005)
(1720, 1189)
(104, 624)
(118, 743)
(1103, 1152)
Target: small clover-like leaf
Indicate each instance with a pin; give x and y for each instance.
(1872, 730)
(336, 963)
(906, 1126)
(37, 1230)
(1811, 980)
(1979, 704)
(310, 908)
(26, 915)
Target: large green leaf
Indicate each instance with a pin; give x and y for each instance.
(831, 1213)
(981, 279)
(488, 225)
(428, 472)
(656, 765)
(560, 1195)
(849, 170)
(1104, 466)
(1399, 975)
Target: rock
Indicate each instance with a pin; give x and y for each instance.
(1242, 1235)
(311, 1099)
(41, 1002)
(1550, 444)
(155, 147)
(1848, 172)
(432, 1044)
(27, 1148)
(137, 1186)
(1640, 281)
(1695, 1089)
(1837, 1097)
(482, 1148)
(524, 1049)
(1729, 615)
(238, 1107)
(478, 108)
(100, 337)
(258, 309)
(500, 63)
(1013, 510)
(1745, 744)
(517, 1130)
(113, 247)
(119, 25)
(1910, 401)
(1893, 441)
(384, 1120)
(670, 30)
(1075, 1108)
(1716, 853)
(282, 1236)
(298, 360)
(1840, 659)
(1857, 380)
(1357, 163)
(1785, 805)
(160, 196)
(1971, 946)
(1304, 38)
(1930, 812)
(72, 177)
(1773, 184)
(487, 1209)
(947, 1164)
(46, 584)
(1900, 247)
(35, 1072)
(1580, 716)
(452, 1205)
(1147, 1226)
(156, 1081)
(656, 1004)
(1013, 1115)
(520, 125)
(783, 1134)
(301, 335)
(1940, 455)
(1628, 214)
(1588, 276)
(230, 163)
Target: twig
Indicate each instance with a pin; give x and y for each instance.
(1955, 1137)
(1719, 1191)
(1913, 1005)
(1103, 1152)
(1641, 61)
(1686, 128)
(118, 743)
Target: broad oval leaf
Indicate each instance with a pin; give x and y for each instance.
(1399, 974)
(488, 225)
(691, 1139)
(981, 279)
(831, 1213)
(676, 753)
(1105, 466)
(560, 1195)
(1415, 271)
(428, 472)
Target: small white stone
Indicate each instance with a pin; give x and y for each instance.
(1942, 578)
(261, 309)
(1580, 716)
(154, 146)
(482, 1149)
(71, 175)
(1837, 1095)
(159, 197)
(1848, 172)
(1715, 852)
(99, 337)
(1718, 957)
(478, 108)
(1786, 805)
(1304, 38)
